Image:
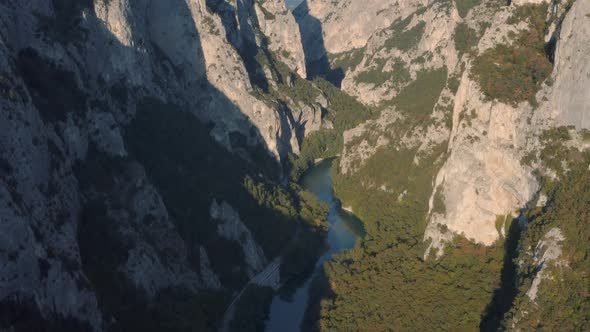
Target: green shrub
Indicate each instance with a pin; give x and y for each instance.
(464, 6)
(378, 76)
(344, 110)
(406, 40)
(347, 60)
(465, 38)
(267, 15)
(420, 96)
(439, 202)
(562, 299)
(8, 89)
(514, 73)
(453, 83)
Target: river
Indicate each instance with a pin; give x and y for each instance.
(292, 4)
(344, 229)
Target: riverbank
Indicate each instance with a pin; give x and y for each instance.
(287, 310)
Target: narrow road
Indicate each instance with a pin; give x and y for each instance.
(267, 277)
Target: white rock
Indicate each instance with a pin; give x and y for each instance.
(547, 251)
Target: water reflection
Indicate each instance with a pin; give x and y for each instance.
(286, 312)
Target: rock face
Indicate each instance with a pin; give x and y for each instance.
(209, 278)
(569, 99)
(482, 176)
(489, 179)
(354, 153)
(548, 251)
(152, 232)
(72, 74)
(419, 38)
(279, 26)
(231, 227)
(346, 25)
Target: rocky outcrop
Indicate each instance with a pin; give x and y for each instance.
(105, 133)
(233, 91)
(419, 38)
(73, 75)
(284, 39)
(363, 141)
(346, 25)
(542, 268)
(153, 234)
(210, 280)
(524, 2)
(547, 251)
(482, 176)
(569, 99)
(231, 227)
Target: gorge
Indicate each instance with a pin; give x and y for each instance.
(182, 165)
(286, 314)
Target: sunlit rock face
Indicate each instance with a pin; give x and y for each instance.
(279, 26)
(349, 24)
(482, 176)
(569, 99)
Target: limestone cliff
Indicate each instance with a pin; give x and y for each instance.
(486, 146)
(482, 176)
(478, 131)
(137, 139)
(74, 199)
(279, 26)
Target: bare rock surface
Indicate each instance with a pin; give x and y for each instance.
(232, 228)
(569, 100)
(71, 80)
(284, 38)
(547, 251)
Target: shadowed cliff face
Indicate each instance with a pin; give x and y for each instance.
(312, 38)
(93, 232)
(239, 31)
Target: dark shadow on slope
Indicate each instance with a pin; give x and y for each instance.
(316, 58)
(504, 296)
(550, 48)
(320, 289)
(186, 182)
(240, 24)
(22, 314)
